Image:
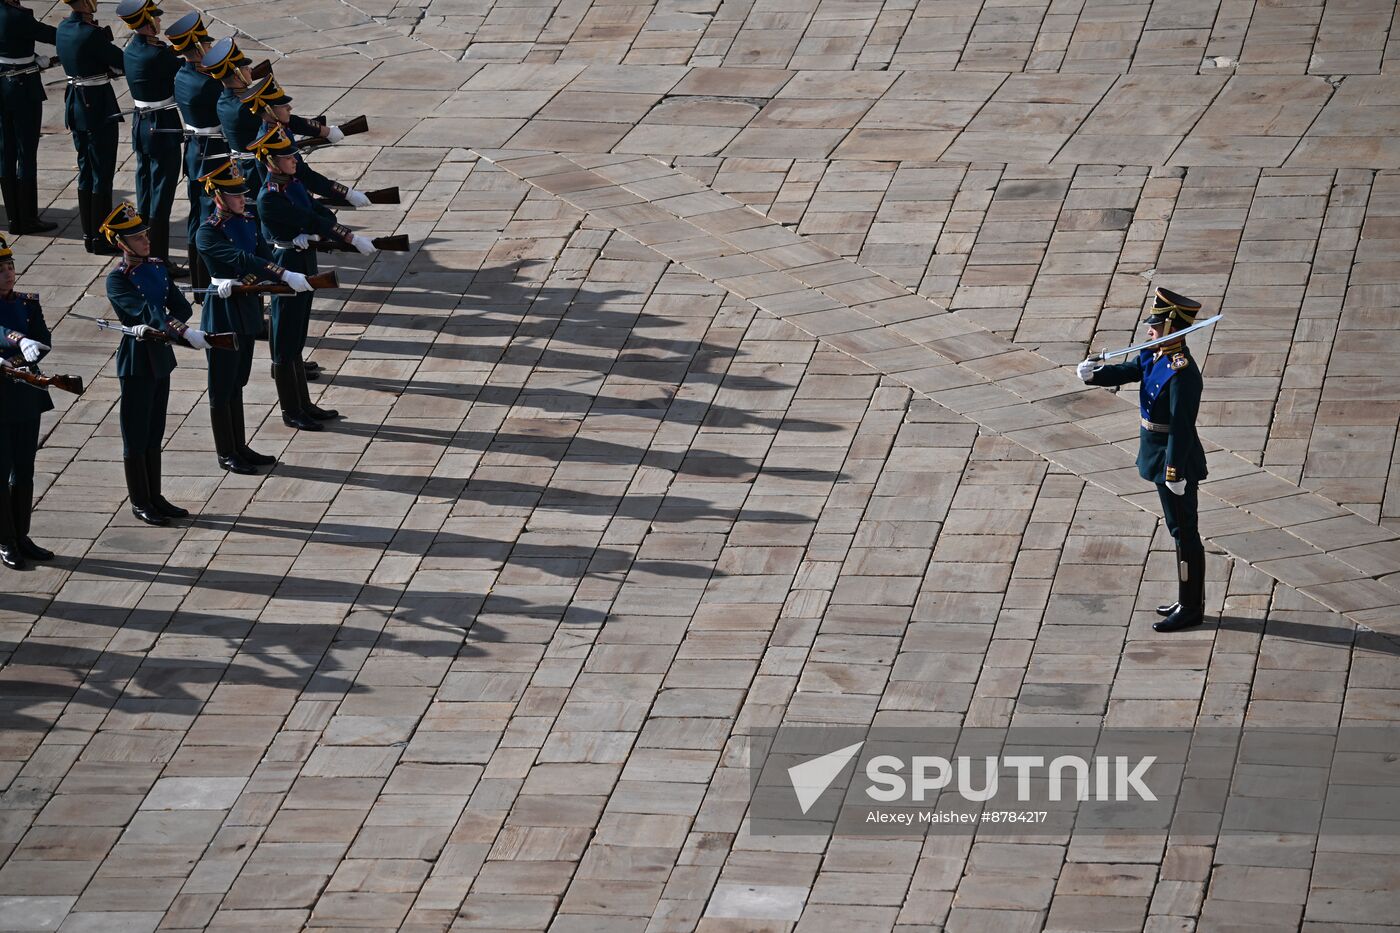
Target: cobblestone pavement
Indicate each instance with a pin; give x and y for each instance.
(725, 387)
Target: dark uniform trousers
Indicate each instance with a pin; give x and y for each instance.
(150, 75)
(21, 407)
(143, 293)
(21, 113)
(91, 115)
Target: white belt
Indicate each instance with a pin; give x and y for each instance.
(97, 81)
(205, 130)
(26, 60)
(154, 105)
(1156, 428)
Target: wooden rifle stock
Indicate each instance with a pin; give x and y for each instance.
(319, 280)
(351, 127)
(388, 195)
(73, 384)
(262, 69)
(398, 243)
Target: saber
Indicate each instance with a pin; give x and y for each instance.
(1103, 355)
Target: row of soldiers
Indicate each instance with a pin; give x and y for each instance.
(193, 100)
(235, 130)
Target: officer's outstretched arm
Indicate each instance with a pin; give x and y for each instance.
(1116, 375)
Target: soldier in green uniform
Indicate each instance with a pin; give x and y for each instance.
(145, 297)
(1169, 452)
(232, 251)
(157, 135)
(90, 112)
(197, 96)
(290, 220)
(21, 113)
(24, 338)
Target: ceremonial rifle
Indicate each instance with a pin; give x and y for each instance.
(318, 281)
(351, 127)
(20, 371)
(377, 196)
(398, 243)
(228, 341)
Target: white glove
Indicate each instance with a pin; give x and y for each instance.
(301, 241)
(362, 243)
(334, 134)
(146, 332)
(32, 349)
(1178, 487)
(196, 338)
(357, 198)
(296, 280)
(223, 287)
(1086, 369)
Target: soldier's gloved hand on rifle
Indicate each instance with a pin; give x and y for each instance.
(302, 241)
(32, 349)
(223, 287)
(357, 198)
(146, 332)
(296, 280)
(334, 134)
(1178, 487)
(1086, 369)
(362, 243)
(196, 338)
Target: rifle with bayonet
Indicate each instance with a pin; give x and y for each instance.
(318, 281)
(41, 63)
(20, 371)
(228, 341)
(377, 196)
(398, 243)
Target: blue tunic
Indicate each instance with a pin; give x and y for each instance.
(20, 317)
(143, 293)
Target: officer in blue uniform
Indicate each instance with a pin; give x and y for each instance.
(1169, 452)
(290, 220)
(145, 297)
(270, 104)
(24, 338)
(156, 131)
(197, 97)
(90, 112)
(233, 253)
(21, 113)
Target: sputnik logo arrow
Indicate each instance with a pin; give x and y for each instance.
(811, 778)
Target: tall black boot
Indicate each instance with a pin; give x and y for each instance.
(22, 509)
(14, 211)
(199, 278)
(284, 376)
(158, 501)
(160, 246)
(221, 424)
(10, 554)
(240, 438)
(304, 392)
(138, 486)
(100, 203)
(1167, 609)
(29, 207)
(1192, 611)
(85, 217)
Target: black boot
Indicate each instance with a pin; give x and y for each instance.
(22, 509)
(160, 246)
(284, 375)
(199, 278)
(138, 486)
(320, 414)
(10, 554)
(221, 424)
(1192, 611)
(14, 211)
(85, 217)
(99, 206)
(158, 501)
(29, 208)
(240, 438)
(1167, 609)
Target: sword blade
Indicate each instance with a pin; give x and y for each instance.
(1165, 338)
